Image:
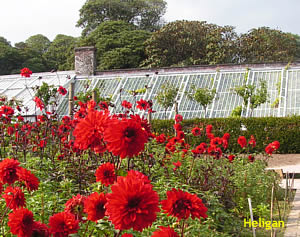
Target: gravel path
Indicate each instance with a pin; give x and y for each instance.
(280, 160)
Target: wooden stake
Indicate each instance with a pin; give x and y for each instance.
(71, 104)
(272, 196)
(251, 215)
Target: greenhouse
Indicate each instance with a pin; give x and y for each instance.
(282, 81)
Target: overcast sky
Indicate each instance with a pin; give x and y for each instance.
(20, 19)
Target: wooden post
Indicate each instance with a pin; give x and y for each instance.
(286, 192)
(176, 112)
(176, 108)
(272, 196)
(149, 118)
(94, 96)
(71, 104)
(71, 99)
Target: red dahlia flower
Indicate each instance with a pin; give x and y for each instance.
(40, 229)
(21, 222)
(200, 149)
(39, 103)
(62, 90)
(103, 105)
(196, 131)
(242, 141)
(180, 135)
(138, 175)
(6, 110)
(126, 104)
(182, 204)
(8, 171)
(132, 203)
(208, 129)
(127, 235)
(31, 182)
(164, 232)
(75, 206)
(142, 104)
(272, 147)
(252, 141)
(14, 197)
(177, 127)
(94, 206)
(216, 152)
(10, 131)
(251, 158)
(231, 158)
(88, 132)
(161, 138)
(215, 142)
(178, 118)
(25, 72)
(125, 138)
(63, 223)
(226, 136)
(106, 174)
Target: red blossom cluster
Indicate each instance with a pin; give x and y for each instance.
(99, 131)
(62, 91)
(273, 146)
(25, 72)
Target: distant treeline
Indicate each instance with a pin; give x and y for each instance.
(137, 36)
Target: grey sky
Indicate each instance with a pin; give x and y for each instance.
(20, 19)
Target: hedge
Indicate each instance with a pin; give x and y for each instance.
(286, 130)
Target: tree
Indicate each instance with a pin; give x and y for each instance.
(203, 96)
(119, 45)
(183, 43)
(38, 43)
(252, 95)
(10, 59)
(60, 54)
(266, 45)
(146, 14)
(166, 96)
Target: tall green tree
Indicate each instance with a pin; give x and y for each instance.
(266, 45)
(38, 43)
(145, 14)
(10, 59)
(32, 53)
(119, 45)
(182, 43)
(60, 54)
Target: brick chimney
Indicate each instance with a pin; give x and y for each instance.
(85, 61)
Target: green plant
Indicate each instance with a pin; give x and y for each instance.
(203, 96)
(166, 96)
(252, 95)
(45, 92)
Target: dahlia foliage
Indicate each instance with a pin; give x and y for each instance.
(110, 173)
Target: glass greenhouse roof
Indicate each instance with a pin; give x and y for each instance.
(283, 89)
(21, 88)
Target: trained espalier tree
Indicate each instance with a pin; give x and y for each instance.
(252, 95)
(166, 97)
(203, 96)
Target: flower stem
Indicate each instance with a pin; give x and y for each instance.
(182, 228)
